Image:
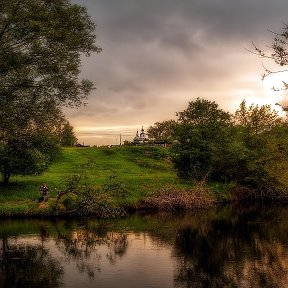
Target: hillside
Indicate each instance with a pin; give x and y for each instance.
(143, 171)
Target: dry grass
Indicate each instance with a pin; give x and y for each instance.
(241, 193)
(169, 199)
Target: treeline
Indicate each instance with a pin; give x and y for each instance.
(248, 148)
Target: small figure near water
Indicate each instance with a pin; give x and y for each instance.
(43, 192)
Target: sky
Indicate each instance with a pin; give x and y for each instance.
(160, 54)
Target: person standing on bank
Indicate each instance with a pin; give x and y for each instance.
(43, 192)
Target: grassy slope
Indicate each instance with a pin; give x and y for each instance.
(143, 170)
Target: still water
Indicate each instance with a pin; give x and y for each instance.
(227, 247)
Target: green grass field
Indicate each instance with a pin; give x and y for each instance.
(142, 170)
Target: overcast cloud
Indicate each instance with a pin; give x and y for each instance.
(159, 54)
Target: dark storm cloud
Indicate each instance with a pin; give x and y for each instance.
(147, 20)
(160, 54)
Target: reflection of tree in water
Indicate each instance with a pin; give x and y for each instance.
(31, 265)
(28, 266)
(81, 246)
(117, 247)
(232, 253)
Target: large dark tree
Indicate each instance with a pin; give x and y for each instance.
(202, 133)
(41, 44)
(204, 112)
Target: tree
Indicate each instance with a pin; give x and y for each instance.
(260, 130)
(201, 133)
(67, 135)
(162, 131)
(41, 44)
(31, 146)
(255, 119)
(250, 151)
(277, 53)
(203, 112)
(27, 155)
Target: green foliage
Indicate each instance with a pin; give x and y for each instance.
(162, 131)
(26, 155)
(47, 144)
(255, 119)
(260, 131)
(250, 152)
(84, 199)
(41, 43)
(66, 135)
(204, 112)
(201, 133)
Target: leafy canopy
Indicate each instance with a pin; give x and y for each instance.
(41, 42)
(201, 132)
(256, 119)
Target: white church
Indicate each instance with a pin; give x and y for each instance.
(140, 138)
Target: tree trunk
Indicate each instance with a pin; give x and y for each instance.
(6, 177)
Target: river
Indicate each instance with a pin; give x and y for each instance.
(221, 247)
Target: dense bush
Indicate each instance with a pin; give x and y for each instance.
(27, 154)
(202, 131)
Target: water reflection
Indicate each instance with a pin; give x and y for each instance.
(28, 266)
(80, 244)
(227, 247)
(241, 250)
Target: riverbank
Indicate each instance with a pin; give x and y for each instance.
(119, 178)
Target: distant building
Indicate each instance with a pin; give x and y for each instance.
(140, 138)
(81, 145)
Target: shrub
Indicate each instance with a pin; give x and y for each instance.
(80, 199)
